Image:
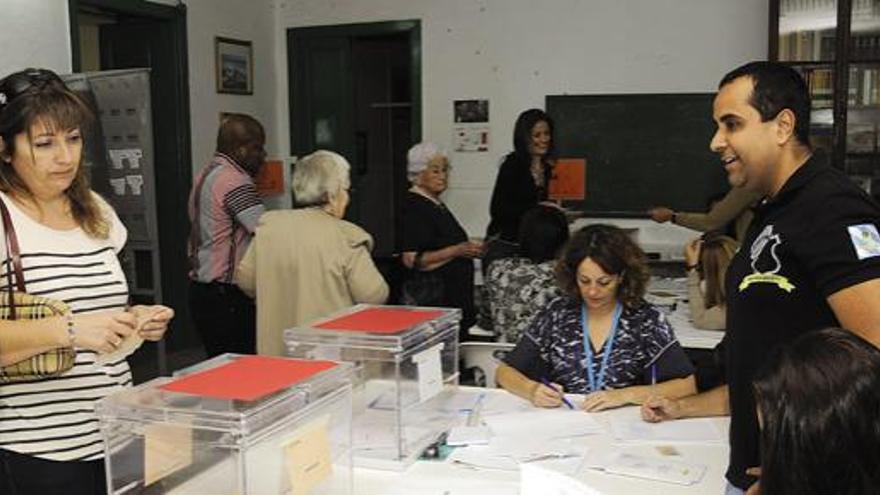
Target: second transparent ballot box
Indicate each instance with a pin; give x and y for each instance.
(406, 375)
(236, 425)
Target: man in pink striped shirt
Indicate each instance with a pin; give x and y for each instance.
(224, 208)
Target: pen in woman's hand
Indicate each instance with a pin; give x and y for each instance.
(561, 395)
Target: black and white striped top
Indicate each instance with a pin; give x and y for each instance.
(55, 418)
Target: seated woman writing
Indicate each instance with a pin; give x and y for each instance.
(601, 339)
(707, 259)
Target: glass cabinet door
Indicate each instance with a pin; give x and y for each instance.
(807, 40)
(863, 98)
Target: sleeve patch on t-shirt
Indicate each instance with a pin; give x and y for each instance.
(865, 240)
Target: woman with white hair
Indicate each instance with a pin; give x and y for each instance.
(434, 246)
(308, 262)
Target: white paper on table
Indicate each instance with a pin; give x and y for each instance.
(537, 479)
(509, 453)
(701, 430)
(430, 372)
(377, 430)
(465, 485)
(651, 468)
(543, 423)
(503, 404)
(468, 435)
(461, 400)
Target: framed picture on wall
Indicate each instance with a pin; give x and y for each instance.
(234, 65)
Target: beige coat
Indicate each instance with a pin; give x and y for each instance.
(302, 265)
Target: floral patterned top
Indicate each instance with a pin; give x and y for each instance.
(518, 289)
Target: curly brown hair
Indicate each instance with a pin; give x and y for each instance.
(612, 249)
(36, 96)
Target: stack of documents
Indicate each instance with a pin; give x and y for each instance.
(529, 436)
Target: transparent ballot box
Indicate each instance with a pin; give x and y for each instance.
(405, 378)
(233, 425)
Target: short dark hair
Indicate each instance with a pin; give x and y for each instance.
(542, 232)
(776, 87)
(612, 249)
(818, 400)
(237, 130)
(522, 131)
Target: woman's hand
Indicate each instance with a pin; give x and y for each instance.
(692, 252)
(152, 321)
(604, 399)
(103, 332)
(544, 396)
(470, 249)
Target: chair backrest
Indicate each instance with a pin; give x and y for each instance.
(484, 356)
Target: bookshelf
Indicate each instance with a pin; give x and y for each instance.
(836, 44)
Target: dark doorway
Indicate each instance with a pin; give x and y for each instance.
(121, 34)
(356, 89)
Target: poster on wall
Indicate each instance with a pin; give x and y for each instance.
(470, 132)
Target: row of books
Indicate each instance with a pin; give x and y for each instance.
(819, 46)
(807, 45)
(864, 86)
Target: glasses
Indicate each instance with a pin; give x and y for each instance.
(15, 85)
(440, 170)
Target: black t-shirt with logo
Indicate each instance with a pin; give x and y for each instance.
(818, 235)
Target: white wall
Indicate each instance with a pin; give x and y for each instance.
(246, 20)
(34, 34)
(514, 52)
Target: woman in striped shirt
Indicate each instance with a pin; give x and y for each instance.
(69, 239)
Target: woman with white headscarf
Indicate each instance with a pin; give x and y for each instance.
(434, 246)
(307, 263)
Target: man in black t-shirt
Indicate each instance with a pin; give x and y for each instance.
(810, 258)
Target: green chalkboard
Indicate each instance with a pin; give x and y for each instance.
(641, 150)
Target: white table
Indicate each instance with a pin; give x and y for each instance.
(446, 478)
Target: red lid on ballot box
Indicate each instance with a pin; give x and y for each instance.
(248, 378)
(383, 319)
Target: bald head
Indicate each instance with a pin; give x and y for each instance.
(242, 138)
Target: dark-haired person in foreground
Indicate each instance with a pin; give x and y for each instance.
(810, 259)
(818, 400)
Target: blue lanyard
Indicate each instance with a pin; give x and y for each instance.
(588, 348)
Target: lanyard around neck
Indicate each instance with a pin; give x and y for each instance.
(598, 383)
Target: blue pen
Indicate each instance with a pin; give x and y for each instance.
(561, 396)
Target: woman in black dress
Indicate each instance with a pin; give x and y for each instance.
(521, 183)
(435, 248)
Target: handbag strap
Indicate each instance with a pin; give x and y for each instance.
(13, 257)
